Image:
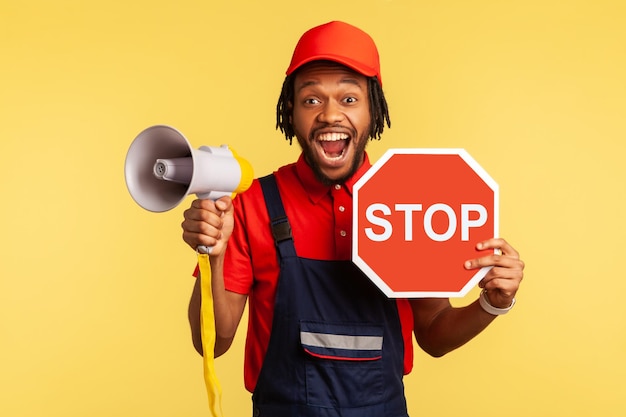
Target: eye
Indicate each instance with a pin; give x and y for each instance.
(311, 101)
(350, 100)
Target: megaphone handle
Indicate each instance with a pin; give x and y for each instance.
(204, 249)
(213, 195)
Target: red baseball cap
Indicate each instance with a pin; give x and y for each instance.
(338, 42)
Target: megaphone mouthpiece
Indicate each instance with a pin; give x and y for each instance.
(178, 170)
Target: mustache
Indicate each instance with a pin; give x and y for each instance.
(344, 129)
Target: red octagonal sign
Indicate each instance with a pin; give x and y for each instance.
(418, 214)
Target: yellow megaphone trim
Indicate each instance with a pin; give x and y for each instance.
(247, 173)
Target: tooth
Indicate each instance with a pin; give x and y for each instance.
(331, 137)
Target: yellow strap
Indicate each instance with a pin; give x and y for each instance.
(207, 328)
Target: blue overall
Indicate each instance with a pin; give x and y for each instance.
(336, 346)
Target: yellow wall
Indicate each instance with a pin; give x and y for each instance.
(93, 290)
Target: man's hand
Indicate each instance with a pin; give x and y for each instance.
(209, 223)
(503, 280)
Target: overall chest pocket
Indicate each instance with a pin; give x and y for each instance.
(343, 364)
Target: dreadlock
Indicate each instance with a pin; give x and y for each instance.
(379, 111)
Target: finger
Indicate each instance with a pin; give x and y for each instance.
(224, 204)
(198, 239)
(489, 260)
(495, 260)
(504, 279)
(211, 216)
(210, 227)
(514, 273)
(499, 244)
(502, 293)
(203, 204)
(507, 288)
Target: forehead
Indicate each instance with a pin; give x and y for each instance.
(319, 71)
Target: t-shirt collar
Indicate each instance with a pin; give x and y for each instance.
(315, 189)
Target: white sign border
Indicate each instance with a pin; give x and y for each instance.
(372, 275)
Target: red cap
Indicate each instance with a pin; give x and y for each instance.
(338, 42)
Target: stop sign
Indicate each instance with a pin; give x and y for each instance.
(418, 214)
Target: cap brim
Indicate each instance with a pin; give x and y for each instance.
(355, 66)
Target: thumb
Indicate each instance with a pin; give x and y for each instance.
(223, 204)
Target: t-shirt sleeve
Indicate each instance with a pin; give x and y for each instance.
(238, 275)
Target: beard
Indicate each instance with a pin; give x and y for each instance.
(359, 152)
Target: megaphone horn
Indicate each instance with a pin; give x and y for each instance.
(162, 168)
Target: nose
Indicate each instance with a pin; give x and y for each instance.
(331, 113)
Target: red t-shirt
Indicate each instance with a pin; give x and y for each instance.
(321, 221)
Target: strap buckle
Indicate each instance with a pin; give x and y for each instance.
(281, 230)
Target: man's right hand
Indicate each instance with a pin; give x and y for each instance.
(209, 223)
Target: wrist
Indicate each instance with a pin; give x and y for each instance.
(495, 311)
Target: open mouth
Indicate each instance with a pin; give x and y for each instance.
(334, 144)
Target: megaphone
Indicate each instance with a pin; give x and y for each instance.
(162, 168)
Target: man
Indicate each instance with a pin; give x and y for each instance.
(322, 340)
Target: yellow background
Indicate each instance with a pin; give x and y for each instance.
(93, 289)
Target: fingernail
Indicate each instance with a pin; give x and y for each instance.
(468, 264)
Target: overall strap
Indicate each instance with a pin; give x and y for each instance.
(281, 230)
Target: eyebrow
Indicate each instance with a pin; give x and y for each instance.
(352, 81)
